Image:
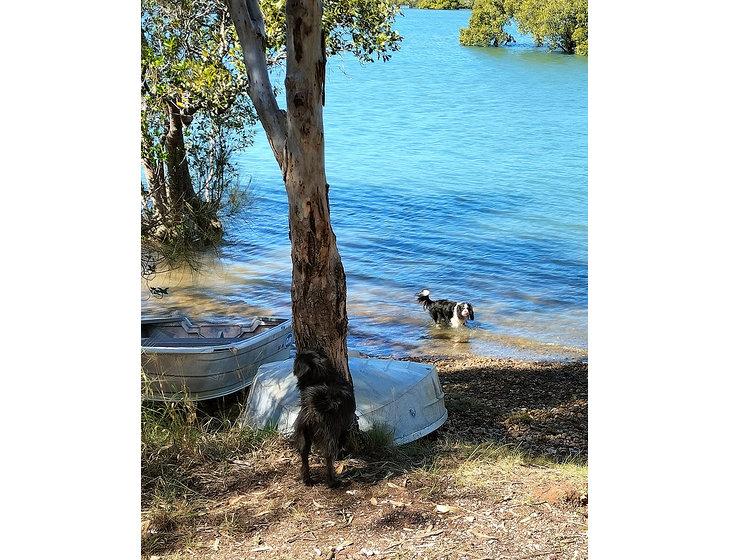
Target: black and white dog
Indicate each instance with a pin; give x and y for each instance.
(327, 414)
(444, 311)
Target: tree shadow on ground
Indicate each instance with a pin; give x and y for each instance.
(538, 411)
(496, 409)
(541, 408)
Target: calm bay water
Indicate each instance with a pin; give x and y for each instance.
(459, 169)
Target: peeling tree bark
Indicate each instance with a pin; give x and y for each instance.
(319, 291)
(251, 30)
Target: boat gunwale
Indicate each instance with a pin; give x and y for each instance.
(433, 426)
(233, 345)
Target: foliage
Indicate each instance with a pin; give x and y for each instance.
(486, 24)
(192, 70)
(559, 24)
(442, 4)
(362, 27)
(189, 56)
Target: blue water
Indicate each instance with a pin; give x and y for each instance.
(459, 169)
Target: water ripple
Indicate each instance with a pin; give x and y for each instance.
(457, 168)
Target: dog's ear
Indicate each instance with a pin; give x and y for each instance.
(302, 366)
(471, 311)
(311, 366)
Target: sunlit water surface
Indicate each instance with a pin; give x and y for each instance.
(459, 169)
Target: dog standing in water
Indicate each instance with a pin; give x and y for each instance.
(327, 411)
(444, 311)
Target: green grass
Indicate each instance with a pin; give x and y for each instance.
(377, 442)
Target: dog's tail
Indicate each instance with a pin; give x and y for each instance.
(423, 298)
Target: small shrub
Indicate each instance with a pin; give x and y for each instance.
(375, 442)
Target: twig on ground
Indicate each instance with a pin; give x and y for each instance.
(302, 538)
(431, 534)
(538, 554)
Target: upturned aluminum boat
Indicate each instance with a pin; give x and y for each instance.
(405, 396)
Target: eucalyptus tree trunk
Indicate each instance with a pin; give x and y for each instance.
(296, 137)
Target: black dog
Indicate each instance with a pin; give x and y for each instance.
(444, 311)
(327, 413)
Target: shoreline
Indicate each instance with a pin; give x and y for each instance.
(538, 406)
(476, 360)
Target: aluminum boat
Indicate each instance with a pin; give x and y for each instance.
(208, 359)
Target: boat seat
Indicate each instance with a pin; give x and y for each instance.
(220, 331)
(213, 330)
(159, 334)
(188, 327)
(210, 334)
(255, 324)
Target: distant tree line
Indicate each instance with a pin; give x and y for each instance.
(439, 4)
(559, 24)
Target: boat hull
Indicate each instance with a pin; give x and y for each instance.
(200, 373)
(404, 396)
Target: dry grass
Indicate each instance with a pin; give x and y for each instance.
(186, 451)
(214, 489)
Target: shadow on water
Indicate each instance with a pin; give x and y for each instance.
(527, 54)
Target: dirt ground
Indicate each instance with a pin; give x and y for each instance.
(504, 478)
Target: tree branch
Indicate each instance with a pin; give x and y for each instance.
(249, 23)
